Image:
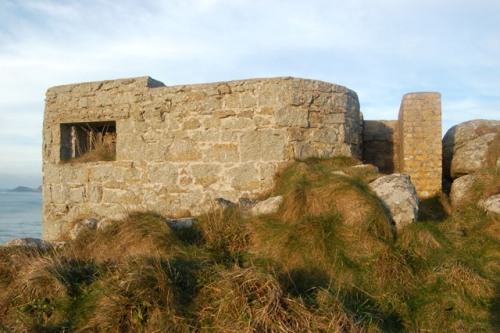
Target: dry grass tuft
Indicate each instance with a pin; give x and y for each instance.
(418, 241)
(246, 300)
(493, 153)
(45, 286)
(137, 234)
(138, 295)
(314, 191)
(102, 152)
(453, 298)
(224, 233)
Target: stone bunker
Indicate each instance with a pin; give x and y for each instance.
(174, 149)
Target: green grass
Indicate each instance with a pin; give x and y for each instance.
(327, 261)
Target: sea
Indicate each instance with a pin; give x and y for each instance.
(20, 215)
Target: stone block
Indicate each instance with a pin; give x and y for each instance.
(223, 153)
(183, 151)
(206, 174)
(165, 174)
(292, 117)
(244, 177)
(262, 145)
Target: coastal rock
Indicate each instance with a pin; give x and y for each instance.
(492, 204)
(399, 196)
(30, 242)
(461, 189)
(224, 203)
(81, 225)
(246, 203)
(466, 147)
(367, 167)
(269, 206)
(184, 223)
(104, 223)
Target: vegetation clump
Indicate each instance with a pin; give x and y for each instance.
(327, 261)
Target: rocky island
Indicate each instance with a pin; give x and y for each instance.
(27, 189)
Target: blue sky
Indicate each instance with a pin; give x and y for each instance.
(381, 49)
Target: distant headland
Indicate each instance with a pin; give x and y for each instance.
(27, 189)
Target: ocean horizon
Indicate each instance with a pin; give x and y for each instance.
(20, 215)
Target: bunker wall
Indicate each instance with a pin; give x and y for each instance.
(178, 148)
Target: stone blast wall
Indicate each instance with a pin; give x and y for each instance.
(178, 148)
(420, 143)
(411, 144)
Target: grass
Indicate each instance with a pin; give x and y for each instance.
(327, 261)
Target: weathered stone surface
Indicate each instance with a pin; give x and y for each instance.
(461, 189)
(399, 195)
(247, 203)
(466, 147)
(82, 225)
(224, 203)
(269, 206)
(30, 242)
(419, 141)
(184, 223)
(410, 145)
(492, 204)
(365, 167)
(104, 223)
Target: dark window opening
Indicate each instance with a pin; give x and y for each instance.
(88, 142)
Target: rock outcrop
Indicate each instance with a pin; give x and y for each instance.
(461, 189)
(82, 225)
(269, 206)
(466, 147)
(182, 223)
(399, 196)
(30, 242)
(492, 204)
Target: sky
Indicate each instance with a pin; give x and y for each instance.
(381, 49)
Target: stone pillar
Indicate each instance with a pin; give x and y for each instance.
(420, 153)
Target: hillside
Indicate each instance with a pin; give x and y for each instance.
(327, 261)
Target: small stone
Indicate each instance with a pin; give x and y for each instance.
(104, 223)
(81, 225)
(246, 203)
(269, 206)
(184, 223)
(367, 167)
(461, 189)
(492, 204)
(224, 203)
(30, 242)
(399, 195)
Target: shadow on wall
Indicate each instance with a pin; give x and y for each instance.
(448, 148)
(378, 144)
